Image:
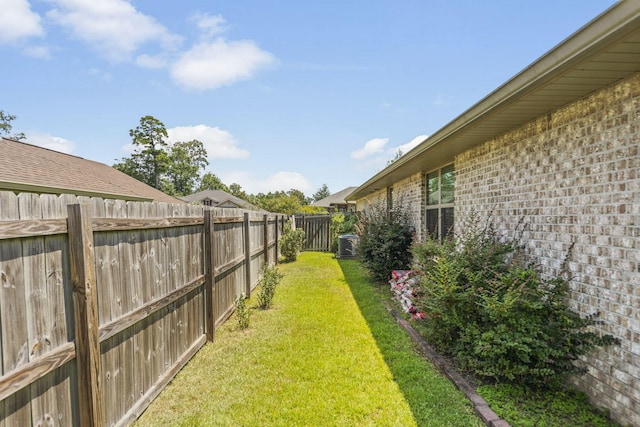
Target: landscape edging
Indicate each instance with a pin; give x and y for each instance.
(480, 406)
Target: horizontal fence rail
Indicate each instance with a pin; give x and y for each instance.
(103, 301)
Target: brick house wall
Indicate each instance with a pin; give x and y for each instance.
(573, 176)
(408, 194)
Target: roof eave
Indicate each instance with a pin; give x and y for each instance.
(31, 188)
(613, 24)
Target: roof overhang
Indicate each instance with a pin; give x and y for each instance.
(604, 51)
(31, 188)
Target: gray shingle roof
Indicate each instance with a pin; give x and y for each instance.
(334, 199)
(220, 198)
(28, 168)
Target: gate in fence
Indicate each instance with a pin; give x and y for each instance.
(317, 231)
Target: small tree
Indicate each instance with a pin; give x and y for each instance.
(271, 277)
(500, 318)
(292, 242)
(385, 243)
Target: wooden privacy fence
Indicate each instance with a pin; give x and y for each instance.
(317, 231)
(102, 302)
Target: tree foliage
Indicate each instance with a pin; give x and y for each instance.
(321, 193)
(149, 137)
(210, 181)
(236, 190)
(290, 202)
(395, 157)
(386, 237)
(176, 169)
(173, 169)
(186, 160)
(6, 127)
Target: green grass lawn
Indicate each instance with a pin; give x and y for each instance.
(326, 354)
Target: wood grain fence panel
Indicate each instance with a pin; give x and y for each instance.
(137, 257)
(210, 267)
(59, 289)
(111, 276)
(13, 324)
(105, 250)
(39, 314)
(145, 293)
(163, 324)
(183, 306)
(317, 231)
(149, 293)
(157, 256)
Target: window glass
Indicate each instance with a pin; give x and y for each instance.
(440, 196)
(448, 184)
(447, 221)
(432, 223)
(433, 189)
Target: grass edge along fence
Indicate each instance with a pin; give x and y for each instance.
(103, 301)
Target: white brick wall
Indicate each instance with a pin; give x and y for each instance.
(574, 177)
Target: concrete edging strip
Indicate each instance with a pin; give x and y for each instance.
(480, 406)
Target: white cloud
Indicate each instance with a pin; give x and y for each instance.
(209, 65)
(18, 21)
(41, 52)
(113, 27)
(209, 25)
(219, 143)
(151, 61)
(405, 148)
(279, 181)
(375, 154)
(42, 139)
(371, 148)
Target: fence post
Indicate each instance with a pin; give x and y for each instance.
(85, 309)
(210, 265)
(329, 242)
(277, 235)
(247, 255)
(266, 240)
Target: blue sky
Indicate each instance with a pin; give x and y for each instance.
(284, 93)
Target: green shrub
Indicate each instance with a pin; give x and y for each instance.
(242, 312)
(385, 240)
(497, 316)
(341, 224)
(270, 279)
(292, 242)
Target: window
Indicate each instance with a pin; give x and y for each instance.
(389, 199)
(440, 198)
(207, 202)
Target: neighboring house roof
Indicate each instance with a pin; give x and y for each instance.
(28, 168)
(334, 199)
(220, 198)
(599, 54)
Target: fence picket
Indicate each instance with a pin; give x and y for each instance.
(103, 301)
